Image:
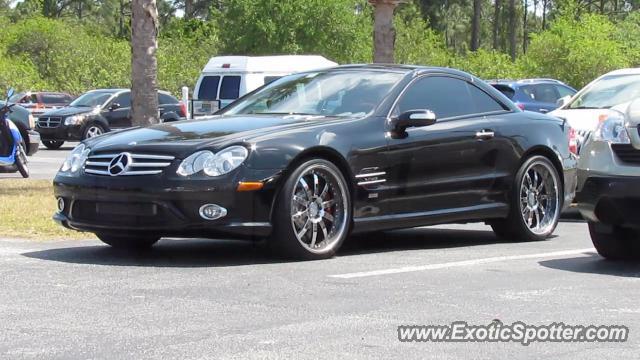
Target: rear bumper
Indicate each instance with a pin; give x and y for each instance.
(33, 142)
(611, 200)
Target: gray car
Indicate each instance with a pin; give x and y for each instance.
(609, 184)
(25, 123)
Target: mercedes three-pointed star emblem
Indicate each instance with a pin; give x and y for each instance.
(119, 164)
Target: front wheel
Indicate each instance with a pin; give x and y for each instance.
(312, 214)
(614, 242)
(21, 161)
(535, 203)
(128, 242)
(93, 130)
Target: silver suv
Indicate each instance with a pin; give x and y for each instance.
(609, 184)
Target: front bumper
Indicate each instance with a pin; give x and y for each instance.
(34, 142)
(611, 200)
(166, 205)
(61, 133)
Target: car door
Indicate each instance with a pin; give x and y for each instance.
(118, 111)
(449, 165)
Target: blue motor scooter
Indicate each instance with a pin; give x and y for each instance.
(13, 156)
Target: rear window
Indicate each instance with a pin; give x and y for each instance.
(166, 99)
(505, 89)
(209, 88)
(54, 98)
(230, 89)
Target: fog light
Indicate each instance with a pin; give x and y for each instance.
(212, 212)
(60, 204)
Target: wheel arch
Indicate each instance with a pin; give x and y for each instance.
(316, 152)
(547, 152)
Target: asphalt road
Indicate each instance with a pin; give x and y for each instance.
(214, 299)
(45, 163)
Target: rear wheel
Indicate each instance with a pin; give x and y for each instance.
(52, 144)
(21, 161)
(128, 242)
(614, 242)
(313, 212)
(535, 203)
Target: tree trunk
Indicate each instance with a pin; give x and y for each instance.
(544, 14)
(512, 29)
(384, 34)
(188, 9)
(144, 44)
(525, 35)
(475, 25)
(496, 24)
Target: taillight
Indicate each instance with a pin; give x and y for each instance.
(183, 109)
(520, 105)
(573, 141)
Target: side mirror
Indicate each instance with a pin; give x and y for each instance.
(563, 101)
(414, 118)
(114, 106)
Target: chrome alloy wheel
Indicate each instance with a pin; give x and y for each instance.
(94, 131)
(539, 198)
(319, 208)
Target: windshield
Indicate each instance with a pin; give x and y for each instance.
(17, 97)
(608, 92)
(327, 93)
(92, 99)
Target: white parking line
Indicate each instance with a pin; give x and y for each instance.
(407, 269)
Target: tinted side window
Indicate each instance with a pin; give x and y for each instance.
(445, 96)
(483, 101)
(123, 99)
(166, 99)
(270, 79)
(53, 98)
(546, 93)
(230, 89)
(209, 88)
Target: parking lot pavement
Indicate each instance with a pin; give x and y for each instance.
(223, 299)
(45, 163)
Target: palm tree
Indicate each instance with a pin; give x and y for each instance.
(144, 65)
(384, 35)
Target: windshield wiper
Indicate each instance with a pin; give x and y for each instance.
(586, 107)
(287, 113)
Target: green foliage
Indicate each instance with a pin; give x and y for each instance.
(628, 34)
(487, 64)
(576, 50)
(266, 27)
(416, 43)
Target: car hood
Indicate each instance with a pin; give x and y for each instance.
(184, 137)
(68, 111)
(586, 120)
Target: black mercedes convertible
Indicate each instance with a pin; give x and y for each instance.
(313, 157)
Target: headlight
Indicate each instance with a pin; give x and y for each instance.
(212, 164)
(32, 121)
(73, 163)
(74, 120)
(612, 130)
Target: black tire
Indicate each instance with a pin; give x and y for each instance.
(331, 223)
(136, 243)
(92, 130)
(52, 144)
(614, 242)
(21, 161)
(514, 228)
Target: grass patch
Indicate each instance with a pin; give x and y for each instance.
(26, 208)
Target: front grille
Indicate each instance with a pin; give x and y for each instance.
(131, 164)
(49, 122)
(627, 153)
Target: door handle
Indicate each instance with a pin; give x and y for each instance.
(485, 134)
(544, 111)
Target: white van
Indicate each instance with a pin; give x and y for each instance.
(226, 78)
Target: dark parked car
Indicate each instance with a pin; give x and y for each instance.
(40, 102)
(25, 123)
(97, 112)
(539, 95)
(313, 157)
